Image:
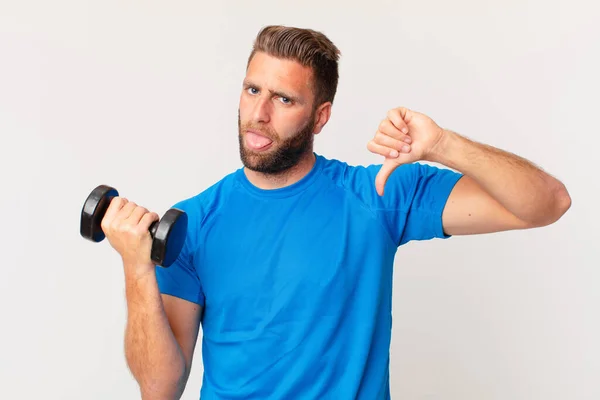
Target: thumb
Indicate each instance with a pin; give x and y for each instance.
(384, 173)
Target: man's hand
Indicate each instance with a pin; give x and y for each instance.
(126, 226)
(404, 137)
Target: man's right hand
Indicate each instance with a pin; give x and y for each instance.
(126, 226)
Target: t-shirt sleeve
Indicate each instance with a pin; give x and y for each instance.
(413, 202)
(181, 278)
(423, 192)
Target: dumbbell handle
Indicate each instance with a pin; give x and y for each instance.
(152, 228)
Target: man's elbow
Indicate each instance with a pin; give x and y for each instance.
(562, 202)
(558, 204)
(162, 390)
(164, 387)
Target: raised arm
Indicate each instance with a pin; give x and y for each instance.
(161, 330)
(499, 190)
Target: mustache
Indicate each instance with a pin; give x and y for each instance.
(262, 130)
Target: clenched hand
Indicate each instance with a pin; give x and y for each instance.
(404, 137)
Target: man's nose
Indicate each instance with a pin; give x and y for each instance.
(262, 110)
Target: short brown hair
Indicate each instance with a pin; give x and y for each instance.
(308, 47)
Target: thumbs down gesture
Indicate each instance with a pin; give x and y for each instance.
(404, 137)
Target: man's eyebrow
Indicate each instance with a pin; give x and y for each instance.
(295, 99)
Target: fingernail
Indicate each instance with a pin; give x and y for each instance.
(405, 130)
(405, 148)
(407, 139)
(394, 153)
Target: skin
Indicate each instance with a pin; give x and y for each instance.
(499, 191)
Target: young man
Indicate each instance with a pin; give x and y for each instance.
(288, 261)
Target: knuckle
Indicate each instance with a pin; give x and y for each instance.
(119, 227)
(114, 204)
(380, 137)
(131, 230)
(105, 226)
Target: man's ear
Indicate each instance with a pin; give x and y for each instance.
(322, 116)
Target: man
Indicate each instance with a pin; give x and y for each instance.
(288, 261)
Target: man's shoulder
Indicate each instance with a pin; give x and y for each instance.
(342, 172)
(355, 180)
(359, 180)
(352, 176)
(209, 199)
(351, 170)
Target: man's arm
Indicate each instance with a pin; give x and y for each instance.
(500, 191)
(184, 319)
(160, 337)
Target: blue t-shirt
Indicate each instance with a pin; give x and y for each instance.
(296, 283)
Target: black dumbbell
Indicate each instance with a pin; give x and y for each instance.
(168, 234)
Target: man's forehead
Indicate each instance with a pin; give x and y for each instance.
(278, 73)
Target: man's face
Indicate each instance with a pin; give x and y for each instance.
(276, 115)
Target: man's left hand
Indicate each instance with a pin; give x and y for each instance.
(404, 137)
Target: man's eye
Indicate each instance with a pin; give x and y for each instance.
(285, 100)
(252, 90)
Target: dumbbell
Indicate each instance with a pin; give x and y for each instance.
(168, 234)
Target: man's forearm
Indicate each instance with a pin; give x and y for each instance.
(152, 352)
(522, 188)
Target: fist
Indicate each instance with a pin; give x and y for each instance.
(403, 137)
(126, 226)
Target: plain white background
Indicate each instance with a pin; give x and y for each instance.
(143, 96)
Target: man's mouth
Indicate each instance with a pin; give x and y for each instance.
(256, 141)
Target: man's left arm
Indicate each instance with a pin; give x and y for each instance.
(499, 190)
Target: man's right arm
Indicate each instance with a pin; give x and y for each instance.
(160, 337)
(161, 330)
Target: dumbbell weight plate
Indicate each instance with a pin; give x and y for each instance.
(168, 237)
(93, 211)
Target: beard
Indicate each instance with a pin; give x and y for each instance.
(283, 155)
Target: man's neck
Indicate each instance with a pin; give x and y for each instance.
(286, 178)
